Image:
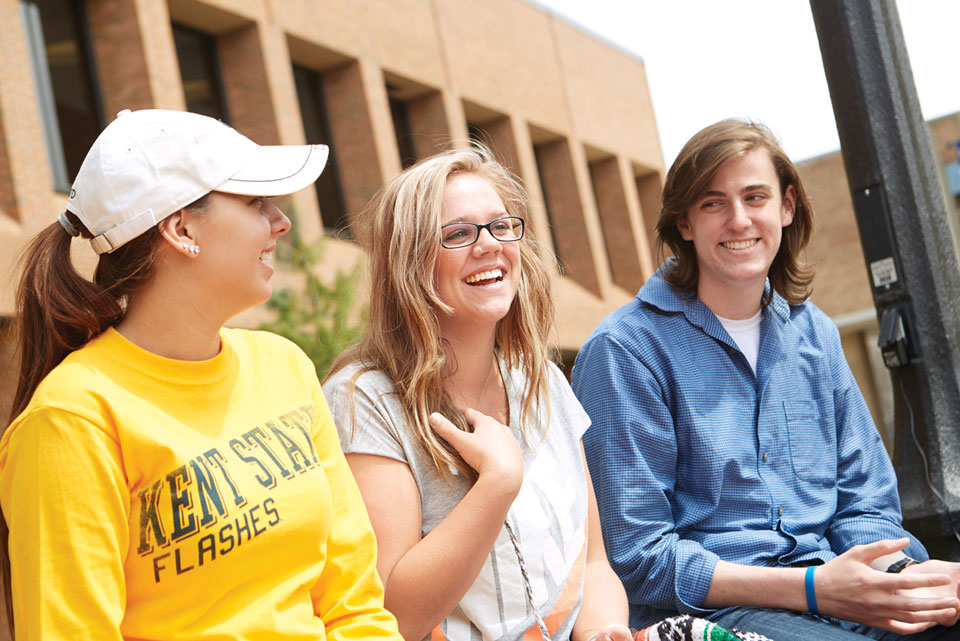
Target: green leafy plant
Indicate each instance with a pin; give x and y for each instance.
(322, 318)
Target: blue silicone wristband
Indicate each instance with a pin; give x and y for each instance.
(811, 590)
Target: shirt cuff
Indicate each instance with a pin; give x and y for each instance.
(865, 530)
(694, 568)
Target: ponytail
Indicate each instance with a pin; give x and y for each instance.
(58, 311)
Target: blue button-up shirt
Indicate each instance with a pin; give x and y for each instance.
(694, 458)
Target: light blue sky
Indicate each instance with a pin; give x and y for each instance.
(709, 59)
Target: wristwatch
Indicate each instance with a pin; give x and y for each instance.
(897, 566)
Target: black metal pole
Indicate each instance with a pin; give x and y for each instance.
(909, 252)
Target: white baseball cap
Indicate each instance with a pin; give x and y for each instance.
(151, 163)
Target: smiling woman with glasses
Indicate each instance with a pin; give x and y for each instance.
(462, 234)
(457, 426)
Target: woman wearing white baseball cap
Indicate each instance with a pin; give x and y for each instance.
(165, 477)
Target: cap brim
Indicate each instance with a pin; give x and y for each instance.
(278, 170)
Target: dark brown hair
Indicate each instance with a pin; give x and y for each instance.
(58, 311)
(690, 175)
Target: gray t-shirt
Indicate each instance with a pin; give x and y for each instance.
(548, 517)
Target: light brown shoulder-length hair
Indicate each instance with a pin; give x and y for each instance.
(690, 175)
(400, 230)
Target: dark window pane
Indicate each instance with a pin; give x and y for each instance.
(316, 126)
(200, 72)
(477, 134)
(538, 156)
(70, 79)
(401, 129)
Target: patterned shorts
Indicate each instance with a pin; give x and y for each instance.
(688, 628)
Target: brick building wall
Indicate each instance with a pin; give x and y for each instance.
(557, 96)
(444, 58)
(568, 113)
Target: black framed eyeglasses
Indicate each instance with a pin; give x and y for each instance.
(457, 235)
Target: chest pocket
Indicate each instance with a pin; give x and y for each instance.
(812, 442)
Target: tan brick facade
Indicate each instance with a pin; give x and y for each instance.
(352, 135)
(245, 84)
(556, 92)
(119, 51)
(557, 95)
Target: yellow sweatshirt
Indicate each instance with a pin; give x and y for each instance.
(149, 498)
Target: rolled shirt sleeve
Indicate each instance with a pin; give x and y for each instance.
(631, 449)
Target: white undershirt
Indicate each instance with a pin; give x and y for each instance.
(746, 334)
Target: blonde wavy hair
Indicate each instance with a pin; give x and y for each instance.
(400, 230)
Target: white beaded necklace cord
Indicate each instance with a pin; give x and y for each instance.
(527, 586)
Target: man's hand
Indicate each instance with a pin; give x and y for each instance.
(951, 589)
(905, 603)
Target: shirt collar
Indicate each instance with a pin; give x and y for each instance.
(658, 293)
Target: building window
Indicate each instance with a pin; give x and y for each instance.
(419, 117)
(561, 197)
(316, 126)
(66, 82)
(200, 72)
(400, 113)
(648, 183)
(953, 178)
(495, 131)
(478, 135)
(610, 197)
(538, 156)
